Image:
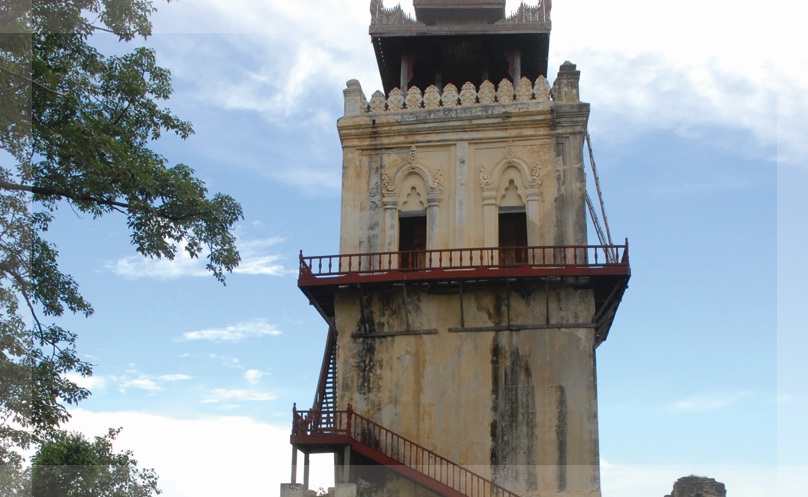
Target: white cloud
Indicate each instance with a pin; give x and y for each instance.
(235, 332)
(258, 460)
(670, 68)
(254, 260)
(296, 53)
(229, 455)
(236, 395)
(141, 383)
(174, 377)
(708, 402)
(91, 383)
(230, 362)
(134, 379)
(137, 267)
(253, 376)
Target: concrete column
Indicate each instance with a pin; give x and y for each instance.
(432, 223)
(532, 213)
(294, 464)
(390, 224)
(346, 466)
(490, 219)
(306, 470)
(461, 209)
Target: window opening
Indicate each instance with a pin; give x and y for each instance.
(512, 237)
(412, 239)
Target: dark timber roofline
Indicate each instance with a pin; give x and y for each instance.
(455, 41)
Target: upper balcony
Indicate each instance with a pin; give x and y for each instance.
(603, 268)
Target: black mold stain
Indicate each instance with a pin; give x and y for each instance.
(561, 436)
(367, 322)
(365, 349)
(513, 429)
(495, 314)
(364, 364)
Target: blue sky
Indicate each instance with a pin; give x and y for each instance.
(699, 138)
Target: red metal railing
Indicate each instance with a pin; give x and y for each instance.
(561, 260)
(394, 447)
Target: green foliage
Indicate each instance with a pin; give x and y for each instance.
(76, 127)
(72, 466)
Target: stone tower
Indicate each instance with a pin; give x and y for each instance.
(465, 306)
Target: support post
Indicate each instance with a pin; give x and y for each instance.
(294, 464)
(346, 465)
(306, 470)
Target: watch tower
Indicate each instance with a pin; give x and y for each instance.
(465, 306)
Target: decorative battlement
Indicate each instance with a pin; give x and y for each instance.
(395, 16)
(564, 90)
(433, 98)
(528, 14)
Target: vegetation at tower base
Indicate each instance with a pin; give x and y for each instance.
(70, 465)
(76, 127)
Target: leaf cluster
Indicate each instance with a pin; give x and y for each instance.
(77, 129)
(72, 466)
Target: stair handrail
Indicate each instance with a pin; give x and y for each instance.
(325, 416)
(376, 437)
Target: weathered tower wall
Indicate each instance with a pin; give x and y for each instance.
(499, 375)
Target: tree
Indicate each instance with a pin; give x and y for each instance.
(72, 466)
(76, 127)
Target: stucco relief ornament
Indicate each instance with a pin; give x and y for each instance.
(487, 93)
(377, 102)
(413, 98)
(413, 159)
(510, 152)
(450, 95)
(387, 183)
(485, 178)
(505, 92)
(395, 102)
(535, 171)
(536, 153)
(542, 89)
(524, 92)
(432, 97)
(438, 182)
(468, 94)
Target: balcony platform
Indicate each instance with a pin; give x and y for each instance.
(603, 268)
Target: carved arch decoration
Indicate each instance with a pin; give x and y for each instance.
(498, 176)
(392, 184)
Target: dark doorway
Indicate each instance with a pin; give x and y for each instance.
(513, 237)
(412, 239)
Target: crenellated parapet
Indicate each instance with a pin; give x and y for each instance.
(414, 100)
(394, 16)
(527, 14)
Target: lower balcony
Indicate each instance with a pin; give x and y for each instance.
(604, 268)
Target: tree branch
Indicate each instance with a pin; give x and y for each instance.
(114, 204)
(53, 192)
(26, 78)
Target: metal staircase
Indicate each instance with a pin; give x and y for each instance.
(392, 450)
(325, 399)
